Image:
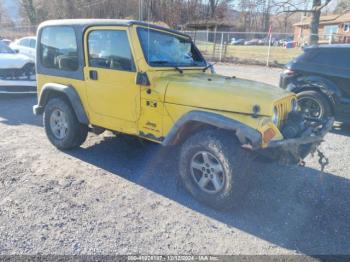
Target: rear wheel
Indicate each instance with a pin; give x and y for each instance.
(62, 126)
(314, 105)
(214, 168)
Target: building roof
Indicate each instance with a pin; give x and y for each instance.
(327, 19)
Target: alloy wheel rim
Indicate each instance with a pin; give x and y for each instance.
(59, 124)
(207, 172)
(311, 107)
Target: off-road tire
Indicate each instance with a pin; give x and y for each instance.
(321, 99)
(236, 163)
(77, 132)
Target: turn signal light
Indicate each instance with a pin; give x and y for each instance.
(268, 135)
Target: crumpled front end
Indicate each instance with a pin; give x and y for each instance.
(301, 137)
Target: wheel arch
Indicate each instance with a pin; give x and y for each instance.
(319, 84)
(51, 90)
(198, 120)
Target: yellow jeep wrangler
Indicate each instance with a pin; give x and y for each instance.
(152, 82)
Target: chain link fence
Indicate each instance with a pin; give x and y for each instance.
(256, 47)
(246, 47)
(334, 38)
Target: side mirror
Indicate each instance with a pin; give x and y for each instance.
(16, 51)
(142, 79)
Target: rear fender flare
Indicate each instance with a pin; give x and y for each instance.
(69, 93)
(325, 86)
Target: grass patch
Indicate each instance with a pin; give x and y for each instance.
(255, 53)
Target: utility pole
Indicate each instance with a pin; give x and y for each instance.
(140, 10)
(267, 15)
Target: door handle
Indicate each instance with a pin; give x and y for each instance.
(93, 75)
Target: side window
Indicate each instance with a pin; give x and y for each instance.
(32, 43)
(24, 42)
(330, 29)
(110, 49)
(58, 48)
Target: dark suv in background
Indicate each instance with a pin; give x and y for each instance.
(321, 79)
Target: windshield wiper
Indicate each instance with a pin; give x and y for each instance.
(164, 62)
(208, 66)
(179, 69)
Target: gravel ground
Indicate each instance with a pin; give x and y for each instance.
(117, 195)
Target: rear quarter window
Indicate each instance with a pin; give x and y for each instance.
(336, 57)
(58, 48)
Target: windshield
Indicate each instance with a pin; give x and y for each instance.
(165, 49)
(4, 49)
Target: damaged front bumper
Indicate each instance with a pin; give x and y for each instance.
(308, 137)
(293, 150)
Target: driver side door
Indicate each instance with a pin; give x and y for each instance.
(110, 72)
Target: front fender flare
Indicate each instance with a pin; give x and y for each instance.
(244, 133)
(71, 95)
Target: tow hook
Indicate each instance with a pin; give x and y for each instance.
(322, 160)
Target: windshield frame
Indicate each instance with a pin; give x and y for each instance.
(178, 35)
(3, 45)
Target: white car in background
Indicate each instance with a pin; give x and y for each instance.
(6, 41)
(13, 65)
(25, 45)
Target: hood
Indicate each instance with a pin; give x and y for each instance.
(13, 60)
(217, 92)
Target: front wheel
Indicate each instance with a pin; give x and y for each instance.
(314, 105)
(214, 168)
(62, 126)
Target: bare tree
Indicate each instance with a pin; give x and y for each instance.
(341, 6)
(30, 11)
(315, 10)
(213, 4)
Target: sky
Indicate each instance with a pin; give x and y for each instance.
(332, 5)
(12, 7)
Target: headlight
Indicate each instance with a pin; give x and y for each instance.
(294, 105)
(275, 118)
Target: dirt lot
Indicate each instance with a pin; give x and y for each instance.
(116, 195)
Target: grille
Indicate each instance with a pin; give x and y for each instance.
(283, 108)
